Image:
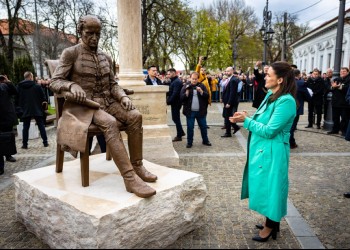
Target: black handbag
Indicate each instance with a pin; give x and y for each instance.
(7, 143)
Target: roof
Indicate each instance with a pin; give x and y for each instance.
(28, 28)
(319, 28)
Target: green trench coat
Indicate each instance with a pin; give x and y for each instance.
(265, 178)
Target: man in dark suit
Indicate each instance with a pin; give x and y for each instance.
(152, 78)
(230, 98)
(302, 96)
(317, 85)
(173, 99)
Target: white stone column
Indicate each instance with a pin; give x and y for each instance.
(149, 100)
(130, 42)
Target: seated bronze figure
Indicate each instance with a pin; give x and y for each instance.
(86, 73)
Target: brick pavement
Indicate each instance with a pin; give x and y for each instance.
(319, 174)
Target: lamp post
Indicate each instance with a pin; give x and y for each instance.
(339, 39)
(38, 40)
(266, 30)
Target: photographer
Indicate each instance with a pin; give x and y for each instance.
(194, 97)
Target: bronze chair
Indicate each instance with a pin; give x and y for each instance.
(84, 156)
(92, 131)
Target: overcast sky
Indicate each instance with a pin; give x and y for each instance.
(315, 12)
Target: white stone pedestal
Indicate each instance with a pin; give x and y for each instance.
(157, 142)
(64, 214)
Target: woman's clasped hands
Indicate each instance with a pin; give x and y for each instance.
(238, 117)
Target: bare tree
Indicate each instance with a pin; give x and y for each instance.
(163, 25)
(13, 8)
(294, 32)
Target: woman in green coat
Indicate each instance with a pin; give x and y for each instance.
(265, 178)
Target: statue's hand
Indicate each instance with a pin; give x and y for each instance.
(78, 93)
(126, 103)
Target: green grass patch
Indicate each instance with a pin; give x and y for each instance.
(51, 110)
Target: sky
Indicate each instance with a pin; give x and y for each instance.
(313, 12)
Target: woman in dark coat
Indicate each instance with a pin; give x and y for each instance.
(8, 119)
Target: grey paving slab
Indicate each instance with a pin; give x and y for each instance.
(310, 243)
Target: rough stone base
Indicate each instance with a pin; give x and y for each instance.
(64, 214)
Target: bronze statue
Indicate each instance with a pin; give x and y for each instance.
(86, 73)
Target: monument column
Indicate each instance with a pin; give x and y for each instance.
(130, 42)
(149, 100)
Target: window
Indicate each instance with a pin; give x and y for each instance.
(305, 64)
(321, 63)
(329, 57)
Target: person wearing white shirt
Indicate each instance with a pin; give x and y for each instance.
(152, 78)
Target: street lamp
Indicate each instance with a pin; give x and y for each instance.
(266, 30)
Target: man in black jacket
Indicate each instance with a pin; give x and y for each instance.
(340, 108)
(194, 97)
(152, 78)
(230, 98)
(31, 97)
(317, 85)
(8, 119)
(173, 99)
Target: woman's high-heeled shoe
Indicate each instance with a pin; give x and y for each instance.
(260, 239)
(261, 227)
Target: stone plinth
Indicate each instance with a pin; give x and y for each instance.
(157, 140)
(62, 213)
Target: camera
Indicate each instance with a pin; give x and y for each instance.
(205, 58)
(2, 78)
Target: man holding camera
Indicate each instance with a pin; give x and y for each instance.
(194, 97)
(203, 76)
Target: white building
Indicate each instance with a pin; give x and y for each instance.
(317, 48)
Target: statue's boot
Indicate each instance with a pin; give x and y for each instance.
(132, 181)
(135, 143)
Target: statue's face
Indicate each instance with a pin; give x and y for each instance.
(91, 33)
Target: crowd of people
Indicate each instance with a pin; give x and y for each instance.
(23, 102)
(278, 92)
(313, 88)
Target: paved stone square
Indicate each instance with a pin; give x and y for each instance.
(319, 175)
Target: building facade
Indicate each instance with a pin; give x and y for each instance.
(317, 48)
(26, 42)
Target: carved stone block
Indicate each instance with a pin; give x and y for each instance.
(63, 214)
